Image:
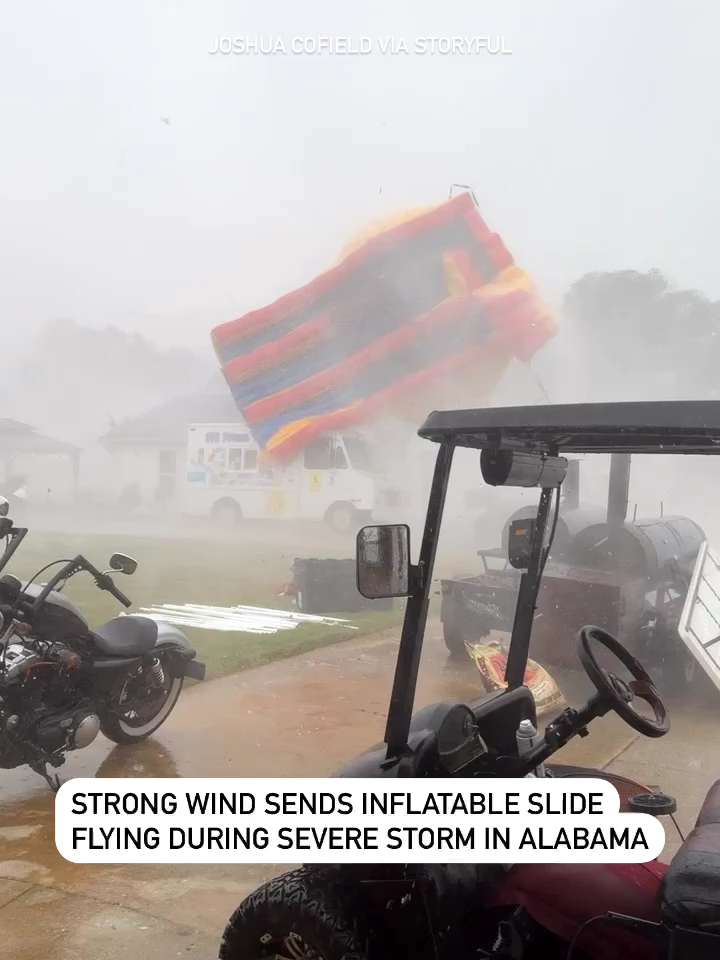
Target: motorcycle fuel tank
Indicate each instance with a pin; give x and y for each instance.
(58, 618)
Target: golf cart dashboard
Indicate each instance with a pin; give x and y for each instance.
(458, 740)
(453, 739)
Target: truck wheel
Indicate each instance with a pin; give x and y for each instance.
(456, 634)
(342, 517)
(226, 513)
(298, 916)
(454, 639)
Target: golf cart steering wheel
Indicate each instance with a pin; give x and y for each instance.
(620, 693)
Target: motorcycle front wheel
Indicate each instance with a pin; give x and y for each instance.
(297, 916)
(145, 701)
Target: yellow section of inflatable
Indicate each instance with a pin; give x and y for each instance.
(377, 227)
(475, 384)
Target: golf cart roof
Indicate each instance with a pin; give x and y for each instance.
(668, 426)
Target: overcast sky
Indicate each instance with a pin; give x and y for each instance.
(592, 145)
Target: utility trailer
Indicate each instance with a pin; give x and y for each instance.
(630, 578)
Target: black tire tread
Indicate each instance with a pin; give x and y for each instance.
(455, 637)
(301, 902)
(454, 641)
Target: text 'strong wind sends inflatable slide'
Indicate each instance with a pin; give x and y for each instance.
(423, 312)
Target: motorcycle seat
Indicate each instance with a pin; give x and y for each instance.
(690, 891)
(131, 636)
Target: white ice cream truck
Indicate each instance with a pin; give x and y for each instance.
(338, 479)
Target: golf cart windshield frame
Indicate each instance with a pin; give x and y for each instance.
(664, 427)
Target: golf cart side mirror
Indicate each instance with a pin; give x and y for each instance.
(123, 564)
(383, 561)
(4, 507)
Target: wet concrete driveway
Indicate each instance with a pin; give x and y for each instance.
(303, 716)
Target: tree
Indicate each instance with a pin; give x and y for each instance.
(75, 377)
(639, 337)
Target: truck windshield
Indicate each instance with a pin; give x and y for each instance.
(362, 455)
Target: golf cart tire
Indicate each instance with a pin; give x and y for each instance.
(226, 512)
(335, 514)
(303, 903)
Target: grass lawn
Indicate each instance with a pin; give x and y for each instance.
(217, 573)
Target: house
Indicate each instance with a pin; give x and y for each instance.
(148, 453)
(49, 467)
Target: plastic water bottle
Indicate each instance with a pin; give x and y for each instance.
(527, 737)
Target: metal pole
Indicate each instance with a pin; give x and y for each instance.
(402, 698)
(618, 488)
(527, 600)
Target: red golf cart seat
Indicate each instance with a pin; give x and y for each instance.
(690, 891)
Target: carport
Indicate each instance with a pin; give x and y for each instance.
(22, 440)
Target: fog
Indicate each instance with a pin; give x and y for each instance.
(585, 150)
(151, 186)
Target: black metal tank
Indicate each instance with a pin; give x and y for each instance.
(644, 548)
(584, 538)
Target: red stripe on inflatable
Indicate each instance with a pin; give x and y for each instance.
(302, 338)
(461, 206)
(377, 403)
(448, 311)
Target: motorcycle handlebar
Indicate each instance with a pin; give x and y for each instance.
(106, 582)
(103, 580)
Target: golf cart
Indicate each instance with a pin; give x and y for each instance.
(629, 577)
(522, 911)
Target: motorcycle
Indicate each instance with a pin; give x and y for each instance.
(63, 682)
(532, 911)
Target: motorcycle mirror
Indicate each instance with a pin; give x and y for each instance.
(123, 563)
(4, 507)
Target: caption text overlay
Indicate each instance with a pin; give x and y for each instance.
(323, 820)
